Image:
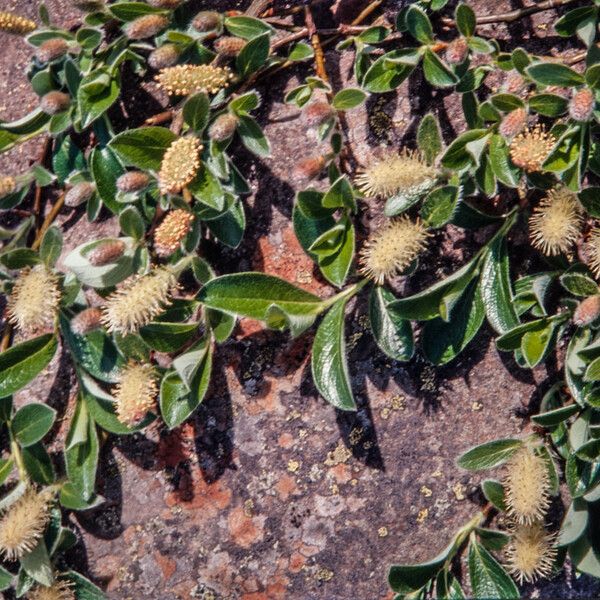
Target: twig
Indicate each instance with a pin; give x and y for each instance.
(316, 44)
(367, 11)
(514, 15)
(6, 337)
(258, 7)
(48, 221)
(37, 200)
(159, 118)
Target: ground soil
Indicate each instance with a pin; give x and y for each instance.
(268, 493)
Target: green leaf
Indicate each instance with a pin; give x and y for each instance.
(132, 223)
(31, 123)
(554, 74)
(502, 167)
(335, 267)
(348, 98)
(196, 111)
(458, 155)
(535, 344)
(429, 138)
(6, 579)
(579, 284)
(574, 522)
(51, 245)
(246, 27)
(253, 55)
(143, 148)
(81, 459)
(426, 304)
(489, 455)
(301, 51)
(94, 102)
(37, 564)
(253, 137)
(32, 422)
(511, 340)
(491, 538)
(255, 295)
(38, 464)
(393, 335)
(385, 75)
(418, 24)
(168, 337)
(548, 105)
(554, 417)
(207, 188)
(494, 492)
(128, 11)
(244, 103)
(442, 341)
(339, 195)
(23, 362)
(495, 288)
(410, 578)
(106, 169)
(328, 362)
(488, 578)
(584, 556)
(436, 72)
(590, 198)
(229, 228)
(439, 206)
(178, 399)
(105, 275)
(84, 589)
(6, 467)
(465, 20)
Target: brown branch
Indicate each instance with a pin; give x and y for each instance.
(6, 337)
(48, 221)
(258, 7)
(159, 118)
(514, 15)
(316, 44)
(37, 200)
(367, 11)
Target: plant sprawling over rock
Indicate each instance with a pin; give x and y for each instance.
(141, 314)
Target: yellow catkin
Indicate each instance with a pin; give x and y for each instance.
(183, 80)
(406, 173)
(593, 251)
(11, 23)
(135, 392)
(180, 165)
(531, 552)
(392, 249)
(24, 522)
(527, 486)
(34, 300)
(59, 590)
(173, 229)
(556, 222)
(8, 185)
(529, 149)
(141, 299)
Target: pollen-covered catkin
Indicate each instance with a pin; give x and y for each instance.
(527, 486)
(391, 250)
(11, 23)
(24, 522)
